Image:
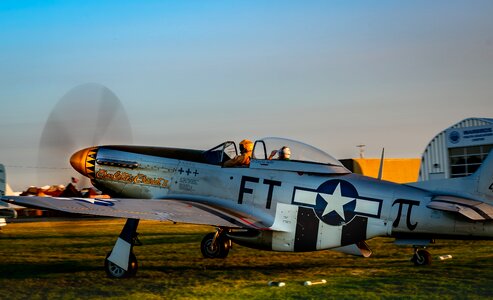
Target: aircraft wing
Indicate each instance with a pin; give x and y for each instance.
(182, 211)
(471, 209)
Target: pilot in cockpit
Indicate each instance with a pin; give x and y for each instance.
(283, 154)
(242, 160)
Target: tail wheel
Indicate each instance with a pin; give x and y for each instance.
(219, 249)
(421, 258)
(114, 271)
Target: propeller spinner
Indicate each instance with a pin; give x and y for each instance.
(83, 161)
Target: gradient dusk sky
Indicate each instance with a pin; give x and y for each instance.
(333, 74)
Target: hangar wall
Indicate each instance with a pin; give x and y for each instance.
(399, 170)
(458, 150)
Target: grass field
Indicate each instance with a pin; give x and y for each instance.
(64, 260)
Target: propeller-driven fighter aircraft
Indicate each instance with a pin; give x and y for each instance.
(6, 211)
(307, 203)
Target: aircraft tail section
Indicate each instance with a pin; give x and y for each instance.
(5, 210)
(478, 186)
(3, 181)
(485, 176)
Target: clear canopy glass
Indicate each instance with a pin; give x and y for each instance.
(299, 151)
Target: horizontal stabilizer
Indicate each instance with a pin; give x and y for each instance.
(471, 209)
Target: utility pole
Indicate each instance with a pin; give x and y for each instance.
(361, 150)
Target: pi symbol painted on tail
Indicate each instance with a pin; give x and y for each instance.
(410, 204)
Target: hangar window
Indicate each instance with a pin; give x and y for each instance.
(466, 160)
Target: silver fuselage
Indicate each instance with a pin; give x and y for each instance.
(306, 206)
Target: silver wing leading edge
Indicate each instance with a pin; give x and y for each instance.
(181, 211)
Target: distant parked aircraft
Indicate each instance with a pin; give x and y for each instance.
(5, 210)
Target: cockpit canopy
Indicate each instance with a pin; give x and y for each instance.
(300, 152)
(304, 158)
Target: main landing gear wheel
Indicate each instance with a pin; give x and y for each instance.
(115, 271)
(215, 245)
(421, 258)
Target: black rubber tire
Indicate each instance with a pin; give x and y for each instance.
(226, 245)
(222, 249)
(114, 271)
(422, 258)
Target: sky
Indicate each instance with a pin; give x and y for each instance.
(192, 74)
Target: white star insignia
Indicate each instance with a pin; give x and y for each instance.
(90, 200)
(335, 202)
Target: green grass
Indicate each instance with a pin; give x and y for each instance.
(64, 260)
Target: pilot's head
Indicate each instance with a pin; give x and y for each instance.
(246, 146)
(284, 153)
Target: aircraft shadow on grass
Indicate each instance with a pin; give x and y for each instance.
(31, 270)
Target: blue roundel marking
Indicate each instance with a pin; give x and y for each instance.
(96, 201)
(454, 137)
(336, 202)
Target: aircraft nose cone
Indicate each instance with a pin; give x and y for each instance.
(83, 161)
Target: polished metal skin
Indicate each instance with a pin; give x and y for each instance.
(308, 203)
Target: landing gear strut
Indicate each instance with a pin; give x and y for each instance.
(421, 257)
(121, 261)
(216, 245)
